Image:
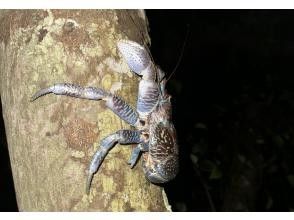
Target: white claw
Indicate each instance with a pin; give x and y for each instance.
(41, 93)
(137, 56)
(89, 181)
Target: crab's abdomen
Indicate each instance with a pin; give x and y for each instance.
(161, 163)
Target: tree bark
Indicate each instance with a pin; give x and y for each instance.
(51, 141)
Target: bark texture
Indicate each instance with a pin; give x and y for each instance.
(51, 141)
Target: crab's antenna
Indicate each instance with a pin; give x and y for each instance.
(182, 53)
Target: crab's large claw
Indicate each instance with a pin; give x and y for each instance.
(137, 56)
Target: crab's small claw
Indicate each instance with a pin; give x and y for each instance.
(137, 56)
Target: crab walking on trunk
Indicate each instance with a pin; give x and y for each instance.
(154, 132)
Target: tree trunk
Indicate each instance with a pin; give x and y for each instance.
(51, 141)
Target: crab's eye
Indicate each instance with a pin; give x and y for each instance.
(142, 122)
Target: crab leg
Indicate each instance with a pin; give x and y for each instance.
(121, 137)
(115, 103)
(140, 62)
(142, 147)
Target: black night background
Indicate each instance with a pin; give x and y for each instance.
(233, 108)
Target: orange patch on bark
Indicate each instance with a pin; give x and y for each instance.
(80, 134)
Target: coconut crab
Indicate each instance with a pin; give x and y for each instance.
(154, 132)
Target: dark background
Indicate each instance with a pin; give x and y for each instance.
(233, 108)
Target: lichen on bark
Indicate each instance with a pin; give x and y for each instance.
(51, 141)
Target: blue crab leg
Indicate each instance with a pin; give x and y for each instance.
(115, 103)
(121, 137)
(142, 147)
(140, 62)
